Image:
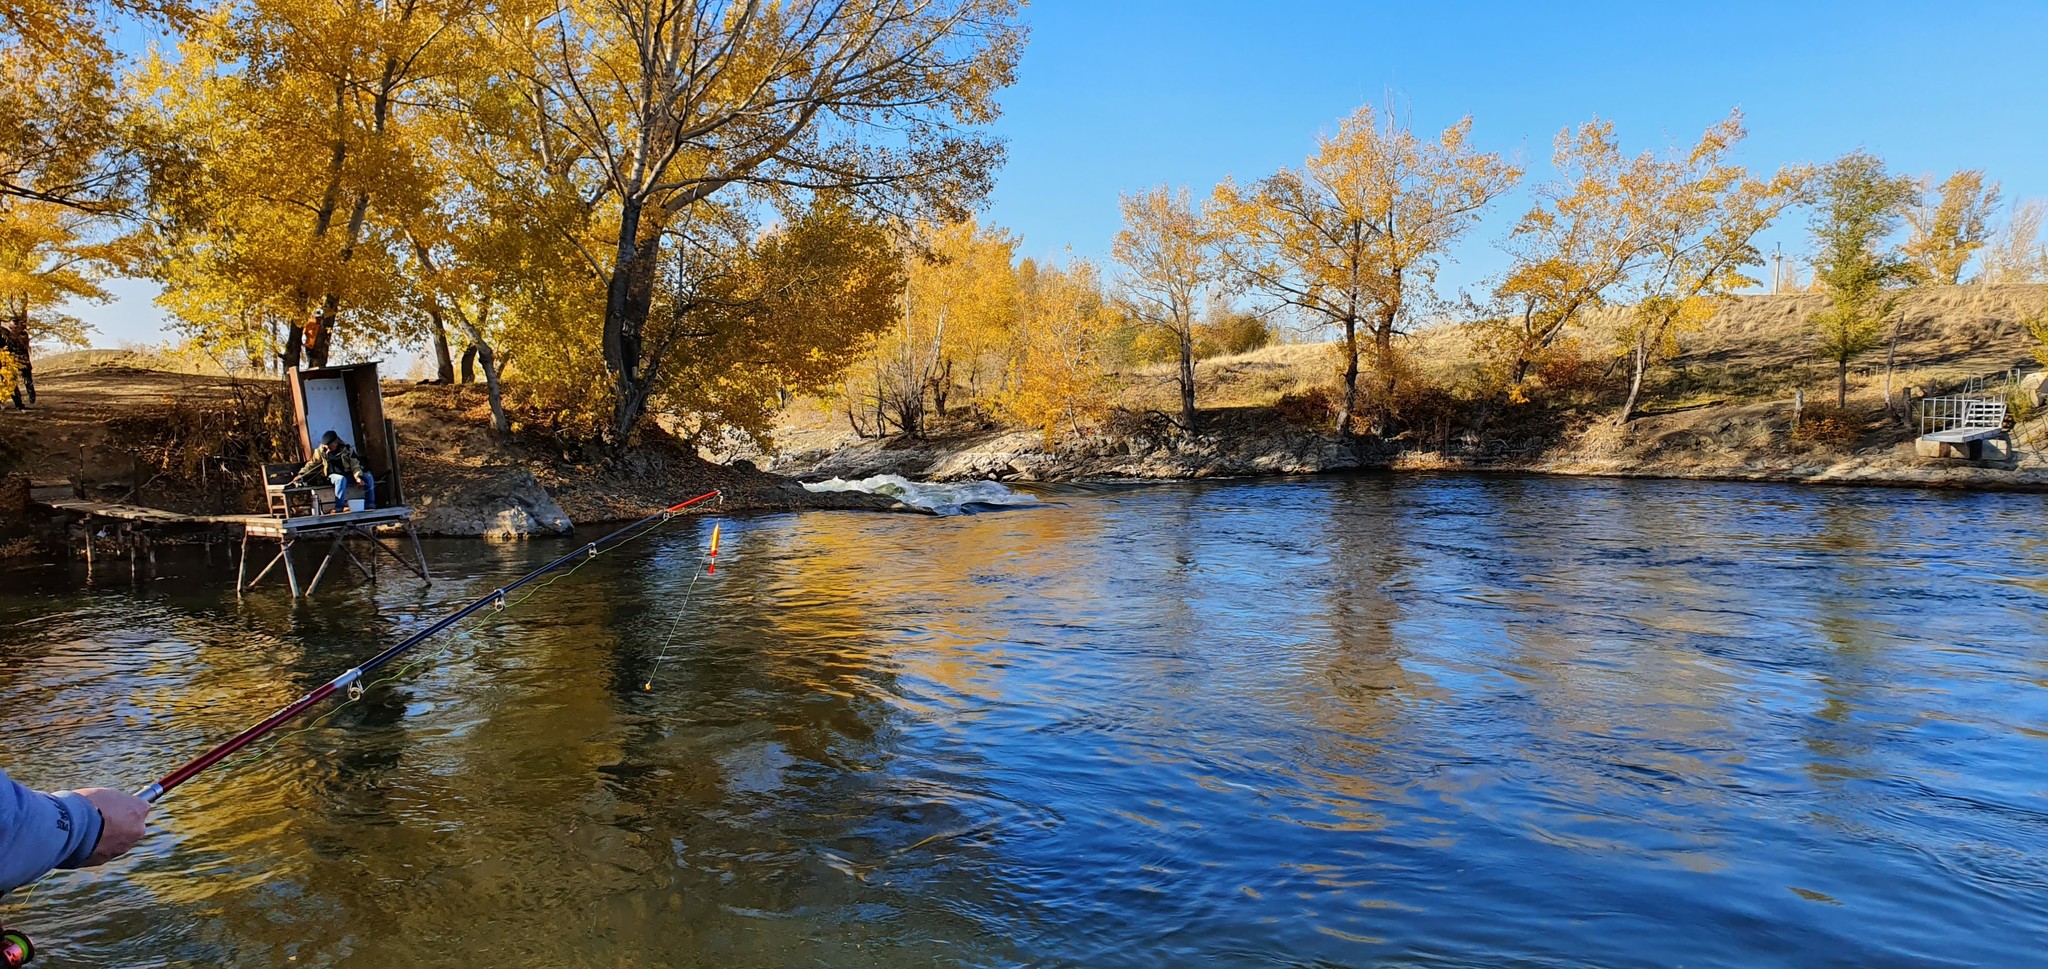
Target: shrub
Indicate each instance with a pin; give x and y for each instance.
(1155, 344)
(1567, 374)
(1307, 408)
(1828, 425)
(1234, 333)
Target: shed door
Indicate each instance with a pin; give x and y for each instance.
(327, 410)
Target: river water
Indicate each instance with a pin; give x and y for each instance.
(1427, 721)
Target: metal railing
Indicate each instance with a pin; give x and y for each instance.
(1961, 412)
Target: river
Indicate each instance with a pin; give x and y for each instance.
(1430, 721)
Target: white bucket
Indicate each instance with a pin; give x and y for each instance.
(355, 504)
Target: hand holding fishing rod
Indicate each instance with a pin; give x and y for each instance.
(65, 829)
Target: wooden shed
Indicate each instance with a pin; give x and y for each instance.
(350, 402)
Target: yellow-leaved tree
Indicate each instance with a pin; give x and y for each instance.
(1355, 236)
(1168, 252)
(1946, 230)
(50, 253)
(1060, 370)
(60, 124)
(1588, 232)
(286, 143)
(669, 105)
(1708, 213)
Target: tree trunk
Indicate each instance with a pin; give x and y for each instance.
(294, 346)
(942, 384)
(444, 368)
(501, 427)
(1639, 364)
(629, 296)
(323, 219)
(1842, 384)
(469, 363)
(1187, 378)
(1891, 357)
(1383, 359)
(1349, 406)
(15, 342)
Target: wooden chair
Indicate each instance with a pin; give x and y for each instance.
(279, 491)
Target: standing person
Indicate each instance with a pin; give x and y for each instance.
(68, 829)
(338, 463)
(14, 341)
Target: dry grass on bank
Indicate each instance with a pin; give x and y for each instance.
(1758, 348)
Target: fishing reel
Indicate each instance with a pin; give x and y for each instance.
(15, 949)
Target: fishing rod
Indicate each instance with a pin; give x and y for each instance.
(350, 678)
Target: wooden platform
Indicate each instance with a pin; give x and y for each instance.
(265, 526)
(137, 526)
(127, 513)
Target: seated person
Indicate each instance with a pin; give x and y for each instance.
(338, 463)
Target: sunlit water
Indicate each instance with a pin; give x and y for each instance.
(1454, 721)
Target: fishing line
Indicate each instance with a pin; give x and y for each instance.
(710, 566)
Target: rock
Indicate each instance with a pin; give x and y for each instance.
(506, 506)
(2034, 387)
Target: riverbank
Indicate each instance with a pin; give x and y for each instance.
(1747, 400)
(194, 443)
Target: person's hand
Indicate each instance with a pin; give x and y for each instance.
(121, 825)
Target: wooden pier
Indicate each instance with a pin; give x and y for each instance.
(137, 529)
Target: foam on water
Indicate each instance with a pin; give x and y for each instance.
(945, 498)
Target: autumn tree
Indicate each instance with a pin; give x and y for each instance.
(1859, 206)
(1949, 228)
(1702, 230)
(773, 313)
(60, 112)
(2015, 253)
(1167, 250)
(1355, 236)
(668, 103)
(50, 253)
(287, 160)
(1060, 374)
(953, 326)
(1589, 231)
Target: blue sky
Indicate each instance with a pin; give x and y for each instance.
(1116, 95)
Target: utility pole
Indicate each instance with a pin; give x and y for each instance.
(1777, 267)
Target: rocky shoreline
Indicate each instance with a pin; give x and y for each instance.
(1248, 447)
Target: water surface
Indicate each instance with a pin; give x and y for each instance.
(1449, 721)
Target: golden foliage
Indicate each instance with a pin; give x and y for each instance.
(1947, 231)
(1702, 237)
(288, 158)
(1167, 251)
(1355, 235)
(1059, 377)
(1589, 232)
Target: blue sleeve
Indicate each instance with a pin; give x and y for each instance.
(40, 831)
